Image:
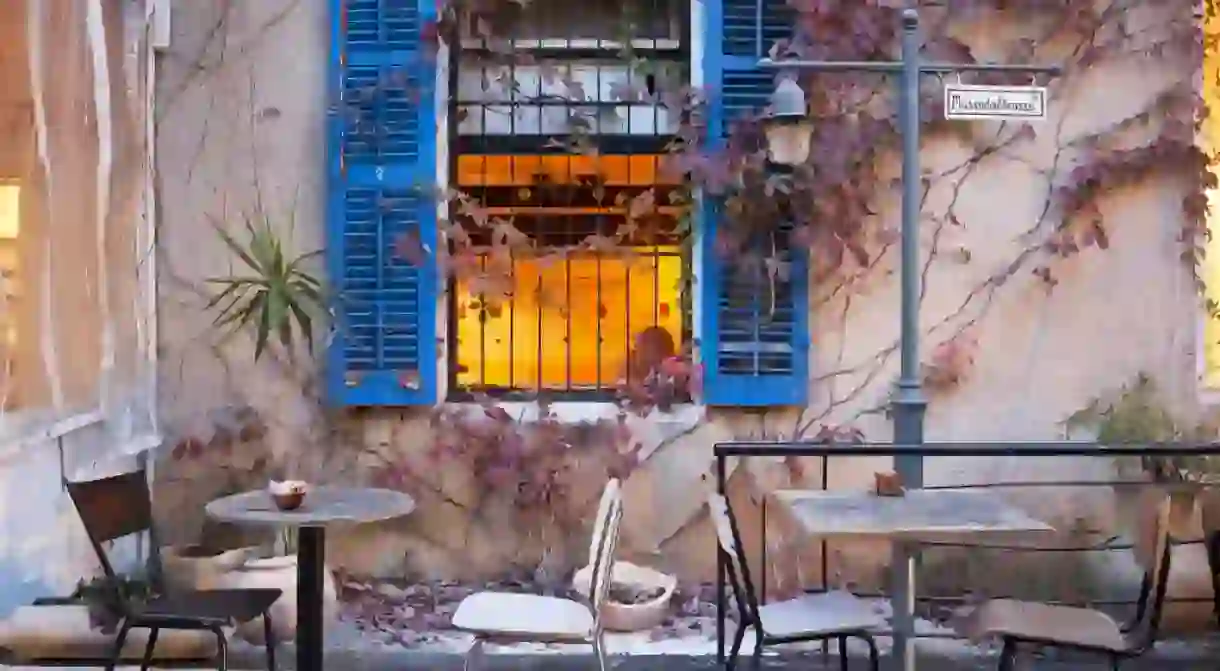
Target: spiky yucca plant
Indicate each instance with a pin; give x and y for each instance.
(275, 296)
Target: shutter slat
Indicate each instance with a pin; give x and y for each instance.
(382, 153)
(755, 340)
(739, 33)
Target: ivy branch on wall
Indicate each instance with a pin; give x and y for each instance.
(836, 192)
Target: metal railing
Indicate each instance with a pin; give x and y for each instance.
(746, 449)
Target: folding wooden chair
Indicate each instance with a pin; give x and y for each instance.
(121, 505)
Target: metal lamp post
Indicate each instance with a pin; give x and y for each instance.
(907, 404)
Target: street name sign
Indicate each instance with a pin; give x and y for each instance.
(1004, 103)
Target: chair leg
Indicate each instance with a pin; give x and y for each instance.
(149, 647)
(269, 640)
(874, 657)
(738, 637)
(842, 653)
(1115, 660)
(599, 649)
(1008, 655)
(222, 650)
(756, 654)
(474, 660)
(117, 650)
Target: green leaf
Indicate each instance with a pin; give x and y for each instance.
(279, 301)
(233, 246)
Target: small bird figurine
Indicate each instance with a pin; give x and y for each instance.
(888, 484)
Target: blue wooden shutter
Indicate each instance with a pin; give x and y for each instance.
(381, 158)
(755, 350)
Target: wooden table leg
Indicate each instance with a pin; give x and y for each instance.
(311, 567)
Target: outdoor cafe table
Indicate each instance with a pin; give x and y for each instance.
(323, 507)
(921, 515)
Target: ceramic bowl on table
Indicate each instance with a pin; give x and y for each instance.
(288, 495)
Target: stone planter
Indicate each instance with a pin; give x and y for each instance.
(190, 568)
(279, 573)
(1185, 520)
(618, 616)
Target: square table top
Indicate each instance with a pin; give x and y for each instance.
(921, 514)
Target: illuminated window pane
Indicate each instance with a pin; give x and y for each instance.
(580, 332)
(1211, 267)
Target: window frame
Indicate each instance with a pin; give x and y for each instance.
(763, 381)
(578, 406)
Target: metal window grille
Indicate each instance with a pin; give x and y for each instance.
(573, 321)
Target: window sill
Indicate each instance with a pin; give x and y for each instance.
(22, 430)
(576, 412)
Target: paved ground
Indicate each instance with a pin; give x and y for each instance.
(1204, 657)
(1199, 660)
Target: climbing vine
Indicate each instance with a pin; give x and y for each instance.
(835, 195)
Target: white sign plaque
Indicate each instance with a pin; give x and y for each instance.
(1006, 103)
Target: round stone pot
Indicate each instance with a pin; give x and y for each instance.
(279, 573)
(617, 616)
(191, 567)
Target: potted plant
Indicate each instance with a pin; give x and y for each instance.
(1135, 414)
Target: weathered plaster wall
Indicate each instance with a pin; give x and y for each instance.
(43, 547)
(85, 72)
(240, 124)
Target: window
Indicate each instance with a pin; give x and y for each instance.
(49, 320)
(571, 314)
(71, 284)
(1210, 136)
(557, 146)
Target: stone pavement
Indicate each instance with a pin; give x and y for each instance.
(1202, 656)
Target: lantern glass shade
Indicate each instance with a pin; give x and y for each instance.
(789, 140)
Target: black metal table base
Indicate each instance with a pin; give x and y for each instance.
(311, 566)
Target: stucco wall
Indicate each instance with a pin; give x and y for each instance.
(74, 101)
(242, 102)
(43, 547)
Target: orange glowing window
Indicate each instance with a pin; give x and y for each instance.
(570, 323)
(1211, 267)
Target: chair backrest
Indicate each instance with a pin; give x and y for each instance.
(729, 539)
(1152, 549)
(111, 508)
(605, 541)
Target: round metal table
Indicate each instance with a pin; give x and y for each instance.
(323, 507)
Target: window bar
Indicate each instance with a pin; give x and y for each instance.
(599, 221)
(541, 232)
(483, 317)
(630, 259)
(567, 299)
(512, 266)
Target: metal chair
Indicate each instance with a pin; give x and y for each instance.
(510, 617)
(1085, 629)
(836, 615)
(121, 505)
